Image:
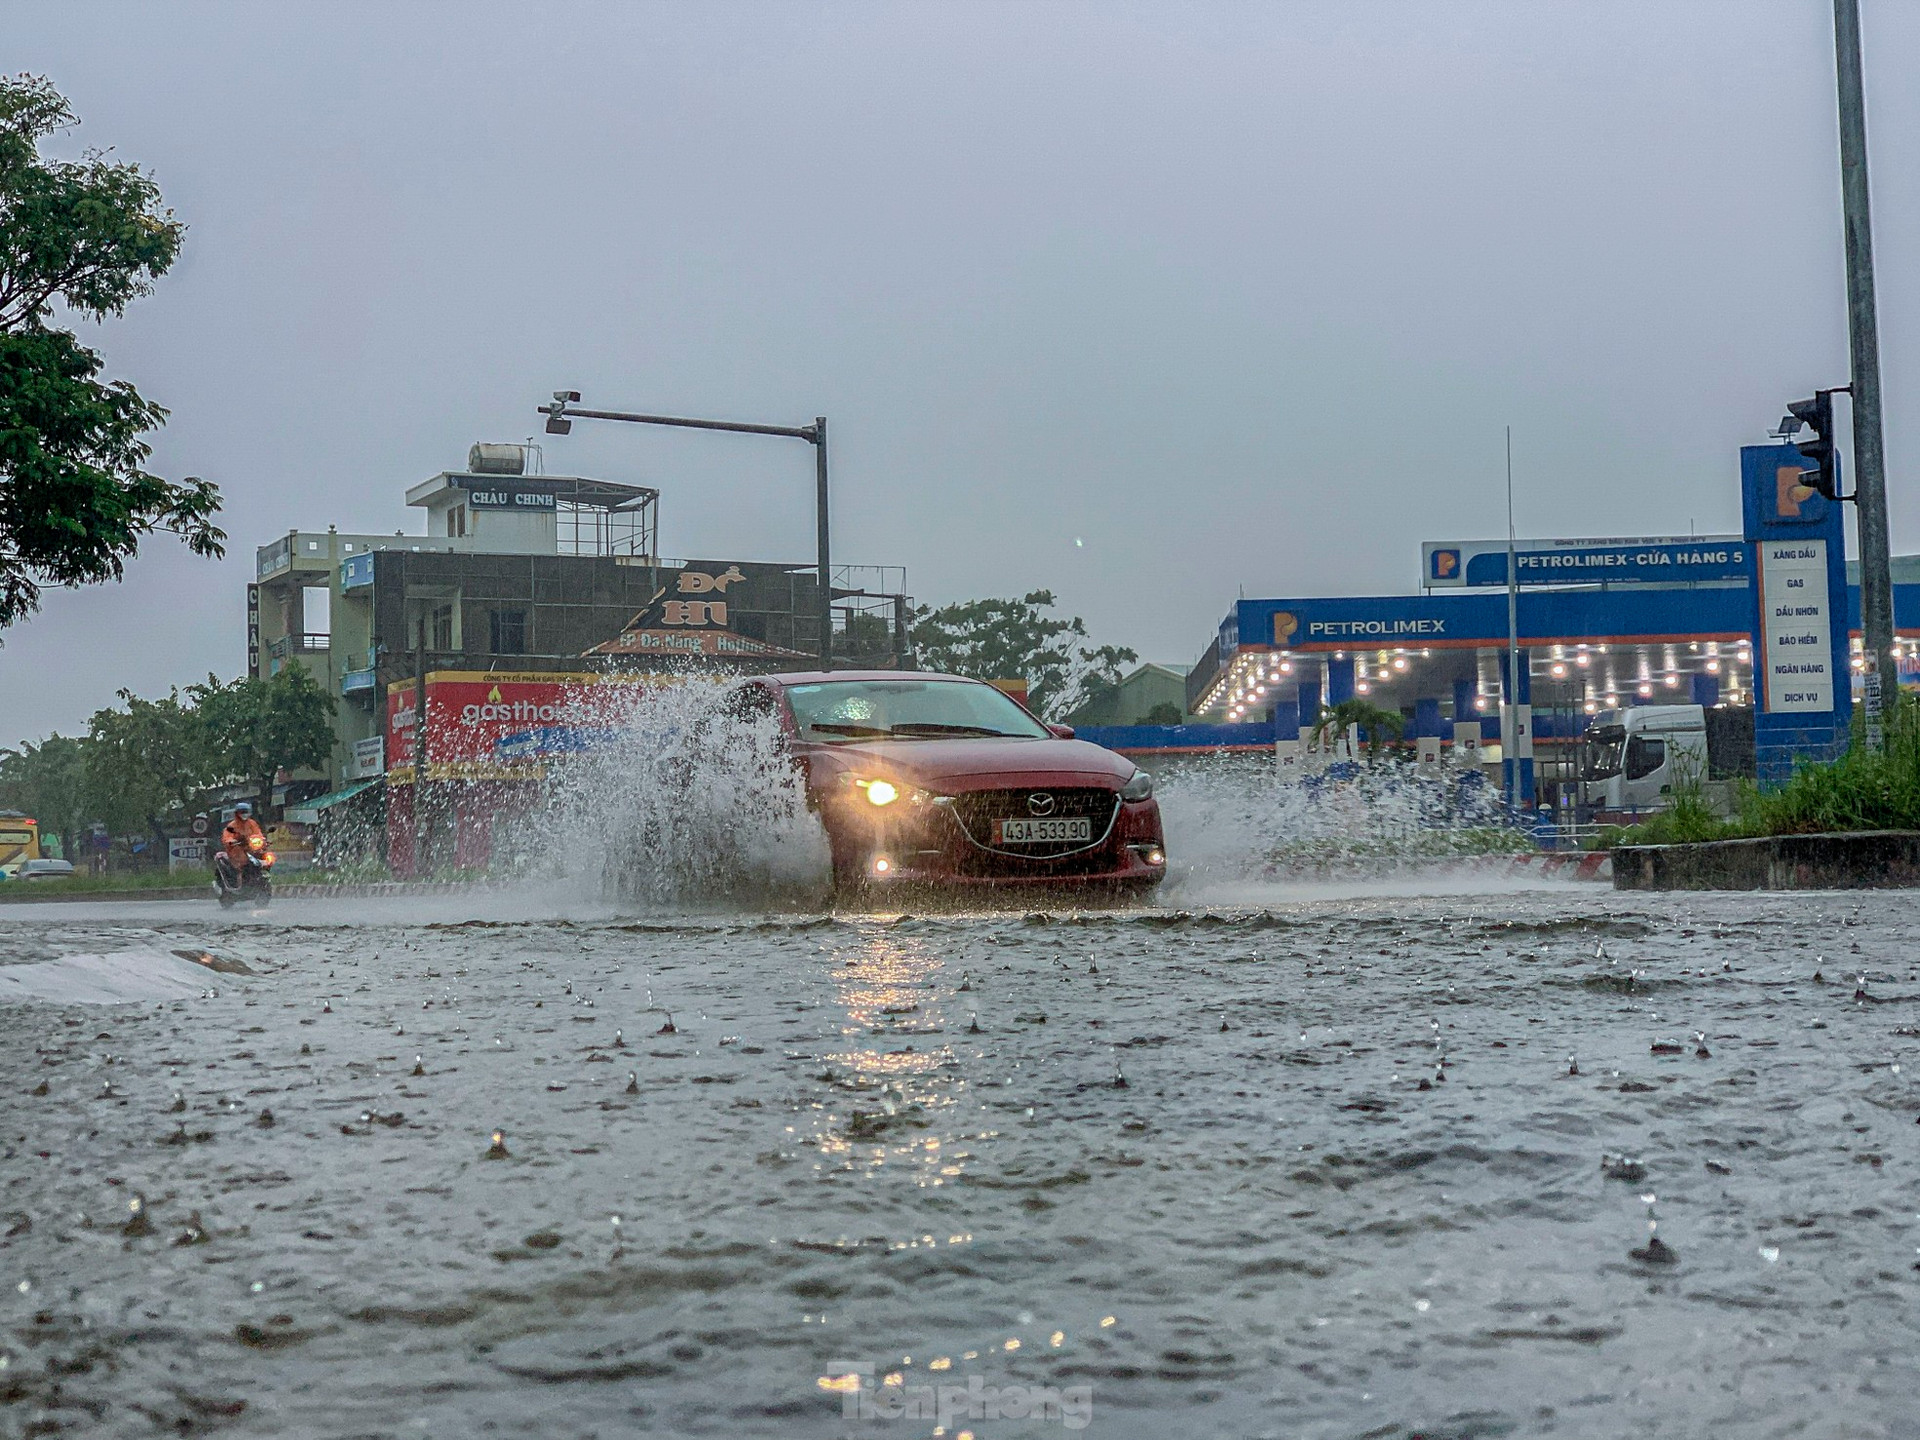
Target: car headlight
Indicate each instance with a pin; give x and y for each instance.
(881, 793)
(1140, 787)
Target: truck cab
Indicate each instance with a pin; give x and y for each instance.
(1632, 759)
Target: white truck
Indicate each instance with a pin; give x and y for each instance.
(1632, 759)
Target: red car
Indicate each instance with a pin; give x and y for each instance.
(927, 779)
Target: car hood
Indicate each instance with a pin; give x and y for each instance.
(939, 765)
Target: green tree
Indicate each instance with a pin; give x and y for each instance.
(49, 782)
(1165, 713)
(1019, 640)
(90, 235)
(866, 637)
(256, 728)
(1379, 725)
(145, 762)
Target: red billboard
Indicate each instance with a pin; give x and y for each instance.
(483, 726)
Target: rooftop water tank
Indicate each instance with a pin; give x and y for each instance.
(497, 460)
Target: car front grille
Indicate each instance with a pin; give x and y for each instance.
(977, 810)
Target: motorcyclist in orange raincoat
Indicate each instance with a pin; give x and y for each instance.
(237, 840)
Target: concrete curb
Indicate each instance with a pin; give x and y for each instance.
(1594, 865)
(1862, 860)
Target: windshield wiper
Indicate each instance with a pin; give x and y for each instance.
(855, 730)
(934, 727)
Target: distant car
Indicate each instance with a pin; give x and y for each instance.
(938, 780)
(44, 869)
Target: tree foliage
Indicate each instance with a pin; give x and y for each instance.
(144, 761)
(255, 728)
(1019, 640)
(866, 637)
(49, 782)
(1380, 725)
(90, 235)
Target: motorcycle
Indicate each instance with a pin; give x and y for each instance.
(251, 878)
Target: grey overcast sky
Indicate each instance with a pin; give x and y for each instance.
(1146, 304)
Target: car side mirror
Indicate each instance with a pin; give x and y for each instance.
(1061, 732)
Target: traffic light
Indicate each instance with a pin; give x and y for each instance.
(1817, 414)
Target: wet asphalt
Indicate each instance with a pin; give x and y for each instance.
(1309, 1164)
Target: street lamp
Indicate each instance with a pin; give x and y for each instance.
(560, 417)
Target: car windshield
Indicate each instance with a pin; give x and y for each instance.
(841, 710)
(1603, 746)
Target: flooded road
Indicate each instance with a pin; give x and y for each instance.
(1315, 1166)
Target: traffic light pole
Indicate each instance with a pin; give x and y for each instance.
(563, 412)
(1870, 478)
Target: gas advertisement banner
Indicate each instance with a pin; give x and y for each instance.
(482, 726)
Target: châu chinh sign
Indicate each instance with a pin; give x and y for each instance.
(508, 493)
(1585, 562)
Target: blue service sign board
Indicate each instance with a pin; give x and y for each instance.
(1585, 562)
(1800, 608)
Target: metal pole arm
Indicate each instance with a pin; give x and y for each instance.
(568, 412)
(561, 415)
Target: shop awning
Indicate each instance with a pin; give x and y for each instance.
(307, 812)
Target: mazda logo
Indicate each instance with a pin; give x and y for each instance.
(1040, 803)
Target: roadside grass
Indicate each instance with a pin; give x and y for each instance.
(140, 881)
(194, 882)
(1862, 790)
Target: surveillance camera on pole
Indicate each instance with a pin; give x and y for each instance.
(556, 413)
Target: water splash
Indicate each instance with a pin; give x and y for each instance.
(686, 804)
(682, 802)
(1232, 820)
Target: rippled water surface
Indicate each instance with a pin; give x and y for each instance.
(1312, 1166)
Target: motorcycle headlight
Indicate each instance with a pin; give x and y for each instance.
(1140, 787)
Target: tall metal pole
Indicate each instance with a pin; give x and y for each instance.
(1510, 732)
(422, 837)
(1870, 476)
(826, 559)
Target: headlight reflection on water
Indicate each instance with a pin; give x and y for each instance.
(887, 987)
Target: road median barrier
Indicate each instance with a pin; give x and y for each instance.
(1852, 860)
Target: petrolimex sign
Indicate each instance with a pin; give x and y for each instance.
(1351, 624)
(1584, 562)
